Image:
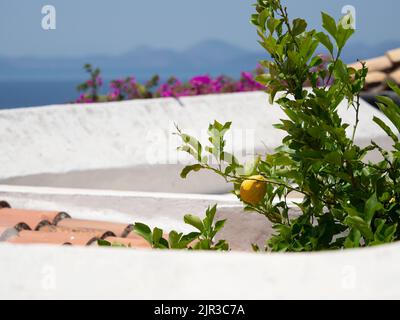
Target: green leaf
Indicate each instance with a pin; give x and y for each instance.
(315, 62)
(352, 212)
(344, 32)
(219, 127)
(387, 129)
(353, 239)
(190, 151)
(299, 26)
(222, 245)
(394, 87)
(103, 243)
(329, 24)
(341, 71)
(157, 235)
(144, 231)
(229, 158)
(193, 142)
(334, 158)
(362, 226)
(384, 233)
(390, 109)
(272, 24)
(219, 225)
(194, 221)
(371, 207)
(262, 19)
(174, 239)
(189, 238)
(263, 79)
(163, 244)
(210, 213)
(188, 169)
(325, 41)
(281, 159)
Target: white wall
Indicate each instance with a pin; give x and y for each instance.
(60, 139)
(40, 272)
(114, 145)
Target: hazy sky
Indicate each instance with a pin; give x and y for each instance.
(114, 26)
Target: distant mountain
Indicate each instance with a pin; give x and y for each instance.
(212, 56)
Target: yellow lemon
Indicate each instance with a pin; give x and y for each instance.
(253, 190)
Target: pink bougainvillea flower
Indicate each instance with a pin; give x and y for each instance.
(130, 88)
(200, 80)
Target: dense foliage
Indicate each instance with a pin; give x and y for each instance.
(348, 203)
(202, 239)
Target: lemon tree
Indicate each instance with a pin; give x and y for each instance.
(347, 202)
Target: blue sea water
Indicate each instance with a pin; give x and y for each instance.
(22, 93)
(28, 93)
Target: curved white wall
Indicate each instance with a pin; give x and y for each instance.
(81, 273)
(116, 145)
(103, 146)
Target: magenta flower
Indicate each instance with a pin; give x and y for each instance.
(200, 81)
(130, 88)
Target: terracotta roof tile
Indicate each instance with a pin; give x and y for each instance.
(98, 233)
(60, 238)
(394, 56)
(380, 70)
(119, 229)
(395, 76)
(376, 64)
(4, 204)
(34, 223)
(19, 226)
(376, 77)
(34, 219)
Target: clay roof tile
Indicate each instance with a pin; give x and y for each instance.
(376, 77)
(20, 226)
(98, 233)
(394, 56)
(34, 219)
(60, 238)
(119, 229)
(395, 76)
(4, 204)
(376, 64)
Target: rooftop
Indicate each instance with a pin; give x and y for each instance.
(382, 69)
(21, 226)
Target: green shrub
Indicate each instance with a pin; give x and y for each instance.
(347, 202)
(202, 239)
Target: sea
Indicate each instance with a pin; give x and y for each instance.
(23, 93)
(32, 93)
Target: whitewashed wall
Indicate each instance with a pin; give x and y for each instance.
(129, 145)
(100, 146)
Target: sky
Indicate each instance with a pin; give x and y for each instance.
(112, 27)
